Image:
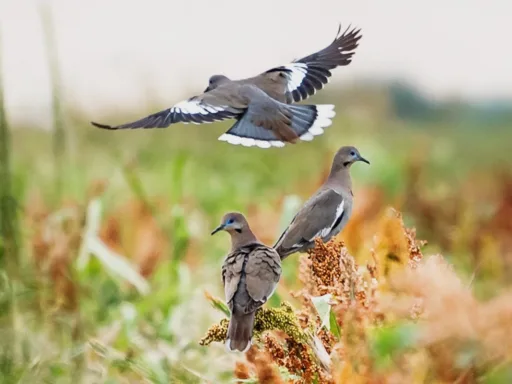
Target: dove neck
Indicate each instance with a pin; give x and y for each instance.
(240, 239)
(339, 179)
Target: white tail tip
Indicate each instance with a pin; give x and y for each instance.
(228, 346)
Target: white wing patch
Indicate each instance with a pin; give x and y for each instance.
(195, 107)
(250, 142)
(325, 232)
(298, 73)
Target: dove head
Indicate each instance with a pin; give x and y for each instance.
(232, 222)
(237, 226)
(345, 157)
(339, 177)
(215, 81)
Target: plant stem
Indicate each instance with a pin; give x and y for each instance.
(9, 245)
(9, 250)
(59, 135)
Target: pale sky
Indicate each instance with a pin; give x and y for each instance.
(115, 53)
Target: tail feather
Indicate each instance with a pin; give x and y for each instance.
(240, 331)
(285, 252)
(307, 121)
(310, 120)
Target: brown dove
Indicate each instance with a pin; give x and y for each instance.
(326, 212)
(261, 105)
(250, 274)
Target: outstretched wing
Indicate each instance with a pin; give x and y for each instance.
(303, 77)
(206, 108)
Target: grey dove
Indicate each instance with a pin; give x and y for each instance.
(261, 104)
(250, 274)
(326, 213)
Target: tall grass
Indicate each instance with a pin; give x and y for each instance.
(9, 250)
(59, 133)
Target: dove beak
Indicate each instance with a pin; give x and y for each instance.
(361, 158)
(219, 228)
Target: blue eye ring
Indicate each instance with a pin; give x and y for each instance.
(230, 221)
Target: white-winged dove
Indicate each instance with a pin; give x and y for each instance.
(326, 213)
(250, 274)
(261, 105)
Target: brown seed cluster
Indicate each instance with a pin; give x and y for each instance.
(296, 357)
(414, 247)
(242, 371)
(217, 332)
(330, 269)
(265, 369)
(274, 347)
(327, 339)
(323, 270)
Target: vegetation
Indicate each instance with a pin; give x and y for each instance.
(109, 274)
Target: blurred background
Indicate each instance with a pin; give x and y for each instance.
(105, 248)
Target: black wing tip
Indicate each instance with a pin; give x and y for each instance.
(103, 126)
(352, 32)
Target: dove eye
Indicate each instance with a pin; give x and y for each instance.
(352, 153)
(230, 221)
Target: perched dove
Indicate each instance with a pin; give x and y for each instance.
(326, 213)
(250, 275)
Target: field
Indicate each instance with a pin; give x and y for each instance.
(109, 274)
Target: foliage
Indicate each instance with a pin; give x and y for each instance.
(132, 307)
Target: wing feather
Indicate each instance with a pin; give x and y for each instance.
(317, 218)
(206, 108)
(302, 78)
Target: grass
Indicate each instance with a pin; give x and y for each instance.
(59, 136)
(135, 209)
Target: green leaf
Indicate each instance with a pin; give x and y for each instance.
(218, 304)
(134, 182)
(387, 341)
(115, 263)
(323, 308)
(181, 236)
(177, 171)
(118, 265)
(335, 328)
(92, 226)
(58, 369)
(499, 375)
